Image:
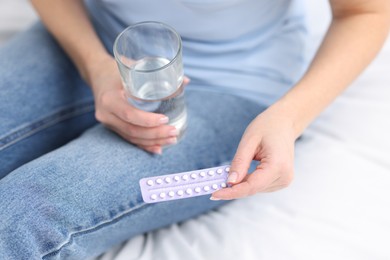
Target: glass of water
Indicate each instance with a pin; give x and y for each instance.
(149, 57)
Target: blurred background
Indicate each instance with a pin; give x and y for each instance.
(15, 15)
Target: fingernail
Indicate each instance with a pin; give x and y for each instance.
(172, 140)
(164, 120)
(174, 132)
(158, 151)
(213, 198)
(232, 177)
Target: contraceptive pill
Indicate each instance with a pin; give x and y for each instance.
(184, 185)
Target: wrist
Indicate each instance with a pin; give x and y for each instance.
(91, 66)
(286, 112)
(95, 66)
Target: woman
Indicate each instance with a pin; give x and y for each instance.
(247, 100)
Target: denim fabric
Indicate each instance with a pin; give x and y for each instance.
(69, 187)
(43, 101)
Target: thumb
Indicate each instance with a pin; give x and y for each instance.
(241, 161)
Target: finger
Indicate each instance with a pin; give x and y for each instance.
(258, 181)
(119, 132)
(135, 131)
(158, 132)
(141, 141)
(240, 190)
(153, 142)
(156, 149)
(116, 125)
(241, 162)
(135, 116)
(120, 127)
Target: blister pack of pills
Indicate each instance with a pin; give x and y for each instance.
(184, 185)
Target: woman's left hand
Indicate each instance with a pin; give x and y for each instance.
(269, 139)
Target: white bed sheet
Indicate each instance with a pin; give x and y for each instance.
(338, 204)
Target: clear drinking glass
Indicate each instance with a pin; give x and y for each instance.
(149, 57)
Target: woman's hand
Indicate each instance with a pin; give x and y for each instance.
(269, 138)
(147, 130)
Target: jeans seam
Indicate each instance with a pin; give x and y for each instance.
(29, 129)
(92, 229)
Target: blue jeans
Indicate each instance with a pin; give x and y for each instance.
(69, 186)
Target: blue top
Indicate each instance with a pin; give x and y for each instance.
(250, 48)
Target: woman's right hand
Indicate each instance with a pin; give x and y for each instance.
(147, 130)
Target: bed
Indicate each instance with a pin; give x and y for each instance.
(338, 206)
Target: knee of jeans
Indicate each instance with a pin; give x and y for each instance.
(29, 218)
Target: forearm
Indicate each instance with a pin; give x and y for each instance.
(350, 44)
(69, 23)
